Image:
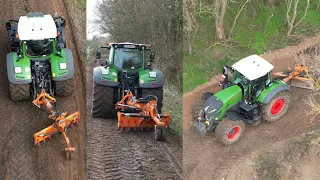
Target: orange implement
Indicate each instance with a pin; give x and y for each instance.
(61, 122)
(297, 76)
(145, 116)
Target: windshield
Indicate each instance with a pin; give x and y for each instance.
(39, 48)
(239, 78)
(125, 58)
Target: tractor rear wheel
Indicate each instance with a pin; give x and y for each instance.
(229, 131)
(198, 105)
(277, 107)
(19, 92)
(158, 92)
(64, 88)
(102, 103)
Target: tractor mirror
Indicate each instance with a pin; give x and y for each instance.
(152, 56)
(224, 70)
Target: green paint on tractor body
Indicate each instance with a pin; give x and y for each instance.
(24, 62)
(229, 97)
(275, 84)
(109, 74)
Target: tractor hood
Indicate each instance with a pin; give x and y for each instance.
(216, 106)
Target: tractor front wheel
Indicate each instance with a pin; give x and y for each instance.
(102, 103)
(19, 92)
(64, 88)
(277, 107)
(229, 131)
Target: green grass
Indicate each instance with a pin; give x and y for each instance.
(254, 33)
(172, 103)
(81, 3)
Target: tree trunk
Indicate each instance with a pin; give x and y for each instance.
(220, 31)
(220, 10)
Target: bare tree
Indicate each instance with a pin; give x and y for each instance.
(190, 22)
(155, 22)
(292, 5)
(235, 19)
(220, 11)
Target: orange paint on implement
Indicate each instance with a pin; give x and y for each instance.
(61, 122)
(147, 117)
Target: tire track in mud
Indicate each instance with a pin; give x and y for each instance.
(23, 160)
(114, 159)
(18, 158)
(112, 154)
(20, 145)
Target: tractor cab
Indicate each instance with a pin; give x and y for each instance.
(37, 32)
(252, 74)
(127, 56)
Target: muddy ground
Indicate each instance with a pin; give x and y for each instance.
(205, 158)
(295, 158)
(113, 154)
(19, 157)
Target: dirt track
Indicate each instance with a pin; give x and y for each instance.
(205, 158)
(112, 154)
(19, 158)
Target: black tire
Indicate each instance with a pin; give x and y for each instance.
(69, 155)
(19, 92)
(158, 92)
(229, 131)
(64, 88)
(198, 105)
(160, 134)
(271, 115)
(103, 102)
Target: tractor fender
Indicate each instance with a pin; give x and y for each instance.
(25, 76)
(145, 81)
(70, 67)
(273, 92)
(109, 79)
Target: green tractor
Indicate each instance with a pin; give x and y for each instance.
(250, 94)
(39, 59)
(128, 68)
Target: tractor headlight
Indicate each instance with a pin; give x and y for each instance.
(18, 70)
(153, 74)
(105, 71)
(63, 65)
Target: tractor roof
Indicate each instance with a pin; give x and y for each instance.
(253, 67)
(36, 26)
(130, 44)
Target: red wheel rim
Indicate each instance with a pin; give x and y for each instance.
(277, 106)
(234, 133)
